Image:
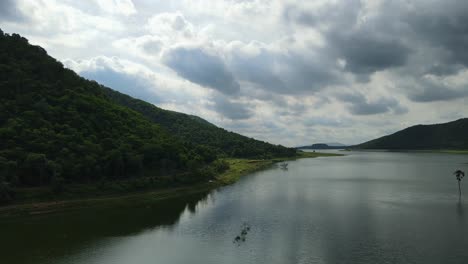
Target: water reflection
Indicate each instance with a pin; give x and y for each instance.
(363, 208)
(54, 236)
(460, 210)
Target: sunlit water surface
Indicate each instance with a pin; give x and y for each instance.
(366, 207)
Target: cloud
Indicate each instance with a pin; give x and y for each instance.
(9, 11)
(432, 93)
(202, 67)
(363, 43)
(444, 24)
(231, 109)
(113, 73)
(366, 54)
(172, 25)
(358, 104)
(120, 7)
(146, 46)
(281, 67)
(124, 83)
(138, 81)
(327, 122)
(438, 69)
(431, 87)
(253, 62)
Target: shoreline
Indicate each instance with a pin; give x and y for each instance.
(442, 151)
(237, 169)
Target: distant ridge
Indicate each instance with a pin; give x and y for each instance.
(451, 135)
(324, 146)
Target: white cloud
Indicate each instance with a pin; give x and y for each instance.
(120, 7)
(172, 26)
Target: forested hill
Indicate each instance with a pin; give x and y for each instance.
(56, 126)
(452, 135)
(200, 132)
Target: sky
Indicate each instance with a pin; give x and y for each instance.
(287, 72)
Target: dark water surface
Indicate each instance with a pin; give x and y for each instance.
(367, 207)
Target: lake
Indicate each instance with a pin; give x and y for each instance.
(366, 207)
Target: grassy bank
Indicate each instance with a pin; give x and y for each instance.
(237, 169)
(449, 151)
(446, 151)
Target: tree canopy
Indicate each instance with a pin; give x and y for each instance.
(56, 126)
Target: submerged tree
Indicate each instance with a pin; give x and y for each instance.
(459, 175)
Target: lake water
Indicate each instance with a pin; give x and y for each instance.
(366, 207)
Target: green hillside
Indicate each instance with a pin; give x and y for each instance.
(57, 128)
(451, 135)
(200, 132)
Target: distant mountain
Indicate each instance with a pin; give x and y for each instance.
(324, 146)
(336, 144)
(451, 135)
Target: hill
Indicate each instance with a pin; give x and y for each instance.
(324, 146)
(451, 135)
(200, 132)
(57, 127)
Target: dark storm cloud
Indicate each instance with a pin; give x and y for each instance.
(340, 15)
(231, 110)
(306, 74)
(9, 11)
(257, 69)
(358, 104)
(201, 67)
(444, 25)
(290, 72)
(443, 69)
(366, 48)
(430, 92)
(366, 53)
(418, 37)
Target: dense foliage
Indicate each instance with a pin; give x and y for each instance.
(200, 132)
(57, 128)
(452, 135)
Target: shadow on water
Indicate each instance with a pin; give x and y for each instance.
(53, 236)
(460, 210)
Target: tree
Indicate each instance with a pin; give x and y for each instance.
(6, 194)
(459, 175)
(35, 169)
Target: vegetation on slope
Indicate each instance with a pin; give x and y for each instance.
(57, 128)
(202, 133)
(447, 136)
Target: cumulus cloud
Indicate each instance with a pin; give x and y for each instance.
(146, 46)
(201, 66)
(120, 7)
(443, 24)
(118, 75)
(231, 109)
(439, 87)
(170, 25)
(358, 104)
(365, 54)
